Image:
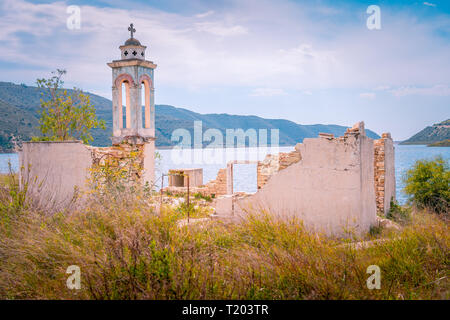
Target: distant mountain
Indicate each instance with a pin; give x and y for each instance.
(436, 133)
(19, 105)
(15, 121)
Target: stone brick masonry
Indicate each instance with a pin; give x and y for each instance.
(126, 157)
(274, 163)
(218, 186)
(384, 168)
(380, 146)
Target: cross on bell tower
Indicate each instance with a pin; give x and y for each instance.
(131, 29)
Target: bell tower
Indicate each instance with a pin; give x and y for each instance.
(133, 124)
(130, 75)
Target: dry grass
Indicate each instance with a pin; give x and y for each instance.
(126, 251)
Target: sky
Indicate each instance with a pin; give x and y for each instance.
(306, 61)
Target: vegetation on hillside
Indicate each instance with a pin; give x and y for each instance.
(15, 124)
(25, 100)
(433, 134)
(443, 143)
(126, 250)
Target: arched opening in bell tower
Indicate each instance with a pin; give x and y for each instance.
(145, 90)
(125, 108)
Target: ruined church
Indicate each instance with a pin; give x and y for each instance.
(331, 183)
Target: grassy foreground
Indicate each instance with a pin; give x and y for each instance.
(126, 251)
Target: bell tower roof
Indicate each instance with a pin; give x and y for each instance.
(132, 49)
(132, 42)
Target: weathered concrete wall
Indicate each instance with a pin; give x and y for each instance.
(223, 205)
(273, 163)
(179, 177)
(331, 188)
(149, 163)
(384, 172)
(54, 170)
(57, 171)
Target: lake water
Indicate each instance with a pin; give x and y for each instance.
(211, 160)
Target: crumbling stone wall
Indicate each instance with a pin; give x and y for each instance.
(265, 169)
(57, 173)
(179, 177)
(274, 163)
(217, 186)
(384, 172)
(125, 159)
(331, 187)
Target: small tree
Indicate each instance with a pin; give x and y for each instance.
(65, 116)
(428, 184)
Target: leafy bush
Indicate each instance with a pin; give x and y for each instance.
(199, 195)
(64, 116)
(428, 185)
(398, 213)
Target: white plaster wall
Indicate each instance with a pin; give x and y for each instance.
(53, 170)
(367, 186)
(389, 175)
(195, 177)
(149, 162)
(223, 205)
(331, 189)
(139, 50)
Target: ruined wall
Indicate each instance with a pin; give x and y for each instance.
(217, 186)
(331, 188)
(179, 177)
(56, 172)
(126, 160)
(273, 163)
(384, 172)
(149, 163)
(53, 171)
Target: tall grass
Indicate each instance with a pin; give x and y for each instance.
(126, 250)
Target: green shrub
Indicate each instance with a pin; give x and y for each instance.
(199, 195)
(428, 185)
(65, 116)
(398, 213)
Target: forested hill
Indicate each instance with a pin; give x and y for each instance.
(19, 105)
(434, 134)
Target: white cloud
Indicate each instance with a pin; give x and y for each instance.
(382, 88)
(205, 14)
(437, 90)
(220, 29)
(429, 4)
(233, 46)
(267, 92)
(368, 95)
